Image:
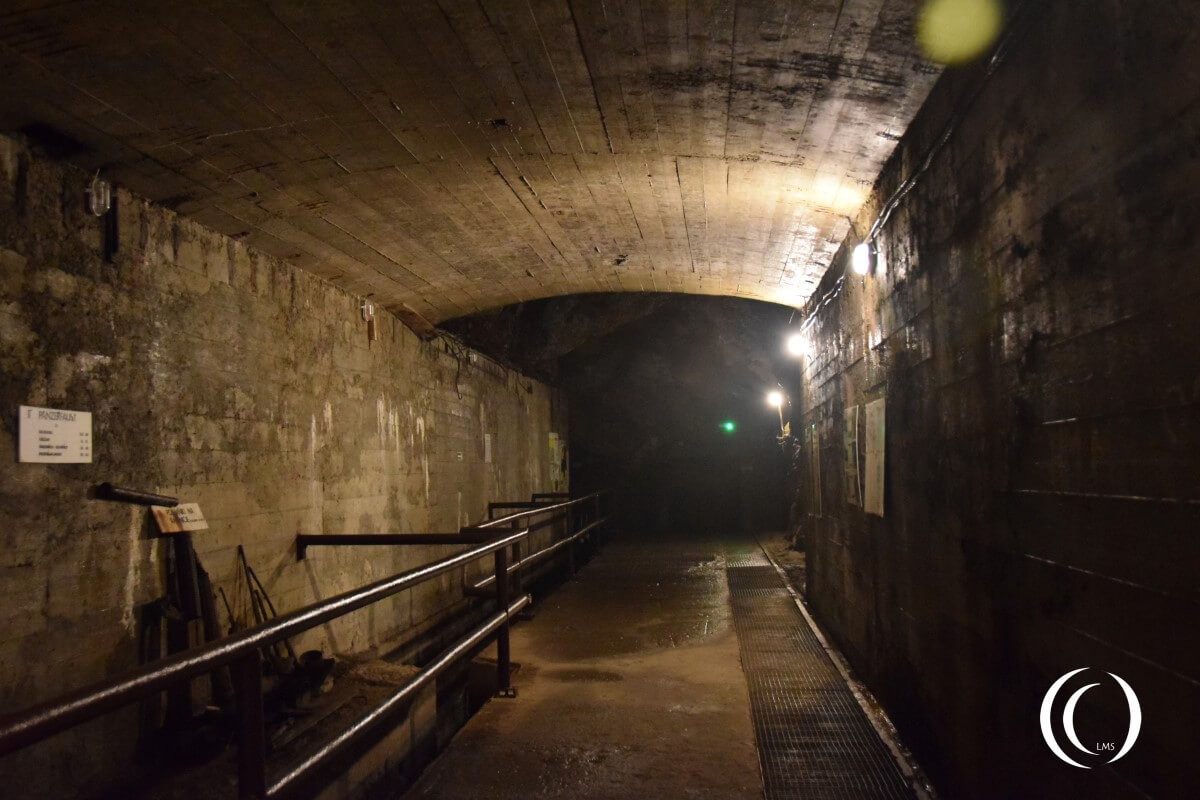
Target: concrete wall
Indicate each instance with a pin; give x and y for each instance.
(1034, 332)
(229, 378)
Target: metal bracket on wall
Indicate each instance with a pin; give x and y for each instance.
(123, 494)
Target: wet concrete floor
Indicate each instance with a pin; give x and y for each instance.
(630, 685)
(649, 676)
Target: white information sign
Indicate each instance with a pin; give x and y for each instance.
(54, 436)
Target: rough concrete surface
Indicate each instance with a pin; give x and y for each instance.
(226, 377)
(630, 686)
(459, 156)
(1031, 322)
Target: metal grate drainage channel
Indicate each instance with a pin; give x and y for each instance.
(814, 741)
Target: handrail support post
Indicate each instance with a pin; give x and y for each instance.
(252, 738)
(515, 559)
(599, 515)
(504, 687)
(572, 525)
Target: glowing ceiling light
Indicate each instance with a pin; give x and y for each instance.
(860, 259)
(775, 399)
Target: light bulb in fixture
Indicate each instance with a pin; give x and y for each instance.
(798, 345)
(775, 399)
(860, 259)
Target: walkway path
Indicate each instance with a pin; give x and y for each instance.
(652, 675)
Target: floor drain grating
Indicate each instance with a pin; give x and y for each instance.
(814, 741)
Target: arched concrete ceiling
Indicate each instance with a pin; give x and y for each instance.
(451, 156)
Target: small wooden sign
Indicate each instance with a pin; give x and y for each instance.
(182, 518)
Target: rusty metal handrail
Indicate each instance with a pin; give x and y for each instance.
(242, 650)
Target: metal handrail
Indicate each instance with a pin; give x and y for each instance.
(242, 650)
(470, 534)
(487, 585)
(40, 721)
(347, 741)
(465, 536)
(307, 540)
(500, 506)
(512, 519)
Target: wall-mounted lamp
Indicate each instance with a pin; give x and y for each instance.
(99, 194)
(368, 315)
(860, 259)
(798, 345)
(775, 400)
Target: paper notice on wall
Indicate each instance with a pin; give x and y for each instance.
(850, 447)
(54, 436)
(179, 519)
(876, 450)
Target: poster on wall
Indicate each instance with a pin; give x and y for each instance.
(850, 446)
(876, 445)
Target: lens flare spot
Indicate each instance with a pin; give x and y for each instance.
(958, 31)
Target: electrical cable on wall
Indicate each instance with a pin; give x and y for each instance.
(1015, 27)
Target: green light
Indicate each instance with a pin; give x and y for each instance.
(729, 426)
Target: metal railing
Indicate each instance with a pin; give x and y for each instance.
(242, 652)
(569, 510)
(485, 586)
(481, 532)
(307, 540)
(534, 508)
(581, 512)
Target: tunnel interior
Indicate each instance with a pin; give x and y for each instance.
(682, 398)
(667, 400)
